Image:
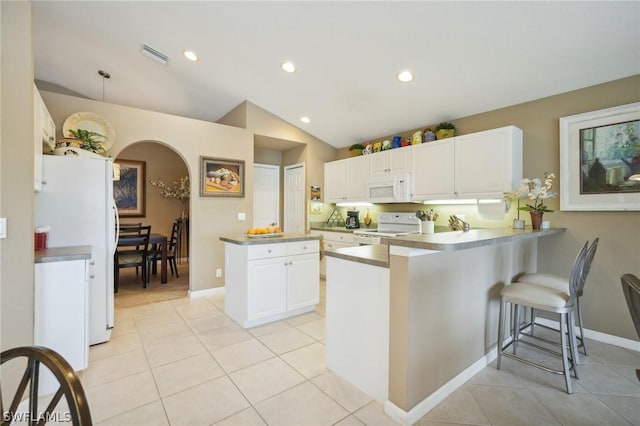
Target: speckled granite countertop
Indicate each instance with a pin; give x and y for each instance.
(374, 254)
(284, 238)
(62, 254)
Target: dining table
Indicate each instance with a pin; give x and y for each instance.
(159, 239)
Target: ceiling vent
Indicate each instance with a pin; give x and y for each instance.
(154, 54)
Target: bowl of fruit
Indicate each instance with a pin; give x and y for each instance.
(266, 232)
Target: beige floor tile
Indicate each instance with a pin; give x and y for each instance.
(217, 301)
(150, 309)
(308, 360)
(269, 328)
(577, 409)
(123, 326)
(349, 421)
(265, 379)
(347, 395)
(148, 415)
(286, 340)
(241, 355)
(117, 397)
(315, 329)
(626, 406)
(117, 345)
(492, 376)
(532, 377)
(180, 375)
(628, 373)
(247, 417)
(157, 319)
(194, 307)
(114, 367)
(205, 323)
(459, 407)
(165, 333)
(612, 355)
(224, 336)
(373, 414)
(205, 404)
(505, 405)
(301, 319)
(302, 405)
(602, 380)
(164, 353)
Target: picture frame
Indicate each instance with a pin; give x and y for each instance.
(599, 151)
(129, 190)
(221, 177)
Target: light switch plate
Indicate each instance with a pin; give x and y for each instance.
(242, 216)
(3, 227)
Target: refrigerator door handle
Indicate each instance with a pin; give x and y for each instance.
(117, 236)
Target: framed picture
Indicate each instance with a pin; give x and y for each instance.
(129, 189)
(600, 159)
(220, 177)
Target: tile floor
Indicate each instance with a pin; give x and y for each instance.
(184, 362)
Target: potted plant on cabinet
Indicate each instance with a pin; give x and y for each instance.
(356, 149)
(80, 142)
(445, 130)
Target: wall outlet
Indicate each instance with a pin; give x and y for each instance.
(242, 216)
(218, 272)
(3, 227)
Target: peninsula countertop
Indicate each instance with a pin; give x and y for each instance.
(244, 239)
(62, 254)
(373, 254)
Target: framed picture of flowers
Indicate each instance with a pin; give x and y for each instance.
(221, 177)
(600, 159)
(128, 189)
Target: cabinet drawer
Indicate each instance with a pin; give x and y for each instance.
(344, 237)
(302, 247)
(265, 251)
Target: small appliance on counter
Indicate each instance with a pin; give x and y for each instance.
(352, 219)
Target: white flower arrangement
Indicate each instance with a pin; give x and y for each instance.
(534, 190)
(179, 190)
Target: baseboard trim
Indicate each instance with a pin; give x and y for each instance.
(423, 407)
(206, 292)
(596, 335)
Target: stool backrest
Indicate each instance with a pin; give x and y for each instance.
(631, 289)
(591, 253)
(576, 273)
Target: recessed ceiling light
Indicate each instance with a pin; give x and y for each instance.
(305, 119)
(190, 55)
(288, 67)
(405, 76)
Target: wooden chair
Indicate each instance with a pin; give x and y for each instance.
(70, 389)
(173, 245)
(132, 253)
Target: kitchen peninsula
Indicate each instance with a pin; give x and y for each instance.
(268, 279)
(428, 316)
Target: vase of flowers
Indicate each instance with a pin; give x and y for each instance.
(179, 190)
(536, 191)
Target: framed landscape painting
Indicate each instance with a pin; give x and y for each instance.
(221, 177)
(129, 190)
(600, 159)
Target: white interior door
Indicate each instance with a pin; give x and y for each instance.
(294, 198)
(266, 195)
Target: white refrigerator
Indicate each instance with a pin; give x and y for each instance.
(76, 202)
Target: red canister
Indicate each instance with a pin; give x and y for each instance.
(40, 240)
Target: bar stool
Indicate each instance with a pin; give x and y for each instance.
(546, 299)
(561, 283)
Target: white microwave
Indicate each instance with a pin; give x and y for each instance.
(391, 188)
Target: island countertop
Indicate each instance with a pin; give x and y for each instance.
(374, 254)
(62, 254)
(459, 240)
(284, 238)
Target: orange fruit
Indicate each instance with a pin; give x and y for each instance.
(251, 232)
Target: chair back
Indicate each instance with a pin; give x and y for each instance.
(176, 233)
(631, 289)
(132, 249)
(586, 267)
(129, 230)
(576, 273)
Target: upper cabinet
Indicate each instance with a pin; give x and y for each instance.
(346, 180)
(432, 171)
(44, 134)
(390, 161)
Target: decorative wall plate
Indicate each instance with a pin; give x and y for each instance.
(93, 123)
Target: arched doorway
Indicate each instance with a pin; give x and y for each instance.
(161, 163)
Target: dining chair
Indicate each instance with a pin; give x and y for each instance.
(132, 253)
(561, 283)
(549, 300)
(173, 245)
(631, 290)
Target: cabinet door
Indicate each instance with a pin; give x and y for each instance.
(356, 176)
(334, 182)
(266, 287)
(391, 161)
(487, 164)
(37, 139)
(432, 171)
(378, 163)
(303, 281)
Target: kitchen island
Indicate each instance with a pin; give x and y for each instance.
(270, 278)
(440, 303)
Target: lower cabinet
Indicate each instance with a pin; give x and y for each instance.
(333, 240)
(268, 282)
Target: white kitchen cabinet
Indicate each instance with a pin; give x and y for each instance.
(268, 282)
(346, 180)
(332, 240)
(61, 320)
(44, 133)
(390, 161)
(432, 171)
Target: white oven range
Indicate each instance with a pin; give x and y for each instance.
(389, 225)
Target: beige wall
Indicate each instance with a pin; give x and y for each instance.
(16, 182)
